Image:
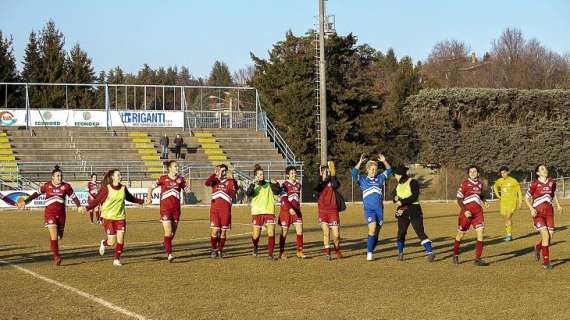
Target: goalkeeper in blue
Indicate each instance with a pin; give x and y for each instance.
(372, 186)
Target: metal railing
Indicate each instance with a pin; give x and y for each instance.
(204, 106)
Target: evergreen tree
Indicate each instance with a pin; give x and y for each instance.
(8, 73)
(220, 75)
(79, 70)
(52, 56)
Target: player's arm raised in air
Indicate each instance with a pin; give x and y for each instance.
(356, 169)
(386, 164)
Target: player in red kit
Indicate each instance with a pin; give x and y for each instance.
(470, 200)
(56, 191)
(171, 187)
(93, 189)
(290, 213)
(224, 189)
(328, 207)
(539, 198)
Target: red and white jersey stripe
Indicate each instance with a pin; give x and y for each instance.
(223, 191)
(541, 193)
(470, 192)
(170, 192)
(291, 193)
(55, 197)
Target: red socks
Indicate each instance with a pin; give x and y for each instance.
(478, 249)
(546, 254)
(118, 250)
(222, 243)
(299, 242)
(255, 242)
(105, 243)
(270, 245)
(456, 247)
(168, 245)
(327, 251)
(281, 244)
(214, 242)
(54, 247)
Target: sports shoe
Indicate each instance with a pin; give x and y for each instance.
(369, 256)
(57, 260)
(536, 254)
(328, 257)
(509, 238)
(480, 262)
(117, 263)
(170, 258)
(213, 254)
(254, 252)
(283, 255)
(431, 257)
(339, 255)
(271, 258)
(547, 266)
(456, 260)
(220, 255)
(400, 257)
(300, 255)
(102, 248)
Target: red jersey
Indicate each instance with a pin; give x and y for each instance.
(55, 197)
(541, 193)
(92, 188)
(291, 195)
(327, 196)
(223, 192)
(470, 193)
(170, 192)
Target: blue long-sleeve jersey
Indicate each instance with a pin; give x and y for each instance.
(372, 188)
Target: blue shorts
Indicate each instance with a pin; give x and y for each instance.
(374, 215)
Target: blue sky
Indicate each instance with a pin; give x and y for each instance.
(196, 33)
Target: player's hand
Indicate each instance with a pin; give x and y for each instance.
(292, 211)
(396, 198)
(468, 213)
(362, 158)
(381, 157)
(399, 203)
(533, 212)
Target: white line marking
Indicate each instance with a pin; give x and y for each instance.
(91, 297)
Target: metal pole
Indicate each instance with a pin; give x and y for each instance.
(145, 97)
(27, 108)
(163, 101)
(107, 104)
(135, 97)
(66, 105)
(323, 83)
(6, 97)
(126, 98)
(256, 110)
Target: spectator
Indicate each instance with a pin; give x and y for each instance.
(178, 142)
(164, 142)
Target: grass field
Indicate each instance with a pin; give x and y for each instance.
(514, 286)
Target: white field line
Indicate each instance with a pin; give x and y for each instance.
(84, 294)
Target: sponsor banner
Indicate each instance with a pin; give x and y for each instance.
(174, 119)
(88, 118)
(13, 118)
(81, 193)
(49, 118)
(17, 195)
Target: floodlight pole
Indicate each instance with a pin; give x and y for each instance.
(323, 84)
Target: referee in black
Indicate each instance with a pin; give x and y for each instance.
(409, 211)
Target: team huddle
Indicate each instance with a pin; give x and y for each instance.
(107, 205)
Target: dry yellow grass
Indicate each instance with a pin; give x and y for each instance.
(514, 286)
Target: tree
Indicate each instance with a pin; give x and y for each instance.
(8, 72)
(220, 75)
(243, 76)
(32, 71)
(79, 70)
(52, 55)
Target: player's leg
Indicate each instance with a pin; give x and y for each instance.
(214, 237)
(54, 243)
(372, 227)
(119, 247)
(270, 239)
(284, 222)
(226, 224)
(91, 213)
(98, 214)
(335, 229)
(417, 221)
(403, 224)
(299, 240)
(544, 246)
(326, 240)
(480, 230)
(168, 235)
(463, 225)
(255, 234)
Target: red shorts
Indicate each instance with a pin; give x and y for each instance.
(170, 216)
(112, 226)
(220, 219)
(286, 219)
(55, 220)
(330, 218)
(477, 220)
(544, 217)
(259, 220)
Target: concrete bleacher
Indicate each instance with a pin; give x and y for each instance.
(134, 151)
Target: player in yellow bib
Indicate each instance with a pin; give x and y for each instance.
(508, 191)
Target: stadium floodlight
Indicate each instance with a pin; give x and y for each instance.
(323, 85)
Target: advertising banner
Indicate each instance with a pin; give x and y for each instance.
(13, 118)
(173, 119)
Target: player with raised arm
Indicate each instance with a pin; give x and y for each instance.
(328, 207)
(290, 213)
